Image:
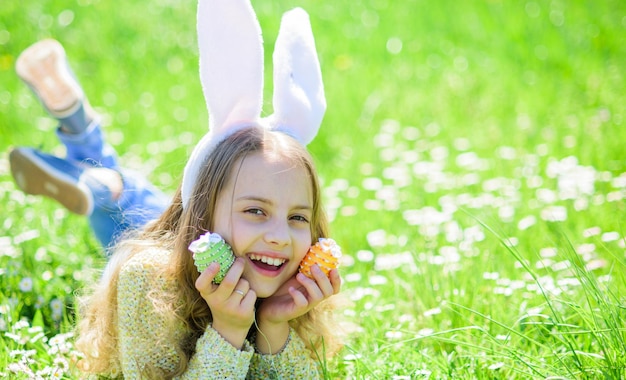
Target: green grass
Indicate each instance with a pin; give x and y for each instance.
(473, 160)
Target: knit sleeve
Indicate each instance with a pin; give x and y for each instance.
(293, 362)
(144, 350)
(141, 349)
(215, 356)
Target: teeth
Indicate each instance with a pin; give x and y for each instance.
(268, 260)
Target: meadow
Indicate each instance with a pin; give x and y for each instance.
(474, 167)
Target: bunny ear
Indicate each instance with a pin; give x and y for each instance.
(299, 102)
(231, 62)
(231, 73)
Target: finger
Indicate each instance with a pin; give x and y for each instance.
(299, 299)
(322, 281)
(312, 289)
(249, 300)
(232, 277)
(204, 282)
(335, 280)
(242, 288)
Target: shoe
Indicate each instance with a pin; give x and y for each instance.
(38, 173)
(43, 67)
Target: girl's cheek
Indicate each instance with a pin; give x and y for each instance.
(299, 259)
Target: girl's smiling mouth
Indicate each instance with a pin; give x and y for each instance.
(266, 264)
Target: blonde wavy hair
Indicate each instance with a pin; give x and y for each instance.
(174, 230)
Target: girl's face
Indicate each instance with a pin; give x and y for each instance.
(265, 215)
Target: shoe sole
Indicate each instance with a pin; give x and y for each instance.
(35, 177)
(43, 67)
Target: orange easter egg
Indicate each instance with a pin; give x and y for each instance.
(325, 253)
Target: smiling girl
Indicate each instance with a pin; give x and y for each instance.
(252, 181)
(261, 193)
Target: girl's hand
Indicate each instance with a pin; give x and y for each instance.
(299, 295)
(294, 298)
(231, 302)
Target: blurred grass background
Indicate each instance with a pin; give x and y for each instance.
(446, 123)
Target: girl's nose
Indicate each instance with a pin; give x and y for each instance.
(277, 234)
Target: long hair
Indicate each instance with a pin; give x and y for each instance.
(174, 231)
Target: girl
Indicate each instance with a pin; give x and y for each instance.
(251, 180)
(155, 316)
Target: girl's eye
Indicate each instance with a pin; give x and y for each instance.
(255, 211)
(300, 218)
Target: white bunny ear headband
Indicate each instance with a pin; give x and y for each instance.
(231, 72)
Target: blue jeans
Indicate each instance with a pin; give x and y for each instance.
(140, 201)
